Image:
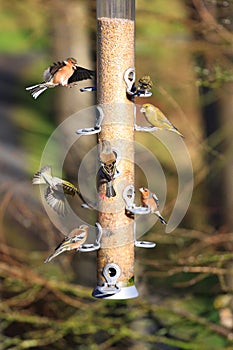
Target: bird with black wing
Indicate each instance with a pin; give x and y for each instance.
(65, 73)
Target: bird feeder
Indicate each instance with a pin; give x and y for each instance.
(115, 126)
(115, 54)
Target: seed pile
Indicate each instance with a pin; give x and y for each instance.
(115, 45)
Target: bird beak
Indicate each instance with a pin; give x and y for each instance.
(143, 110)
(141, 189)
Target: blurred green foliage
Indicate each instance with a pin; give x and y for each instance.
(24, 26)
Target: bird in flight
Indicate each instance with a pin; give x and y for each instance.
(65, 73)
(56, 190)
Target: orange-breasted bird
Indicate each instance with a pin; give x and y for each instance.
(150, 200)
(65, 73)
(56, 190)
(73, 241)
(157, 119)
(108, 167)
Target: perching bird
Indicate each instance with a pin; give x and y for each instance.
(73, 241)
(150, 200)
(156, 118)
(108, 167)
(145, 84)
(66, 73)
(56, 190)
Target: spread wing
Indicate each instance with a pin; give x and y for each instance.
(50, 71)
(39, 178)
(81, 73)
(57, 201)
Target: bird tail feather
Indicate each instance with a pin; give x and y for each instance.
(110, 192)
(36, 90)
(162, 220)
(56, 253)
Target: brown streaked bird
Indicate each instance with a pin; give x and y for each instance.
(56, 190)
(108, 167)
(73, 241)
(65, 73)
(150, 201)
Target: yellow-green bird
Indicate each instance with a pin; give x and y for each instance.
(157, 119)
(56, 190)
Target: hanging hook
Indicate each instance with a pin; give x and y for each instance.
(96, 245)
(88, 88)
(128, 196)
(111, 273)
(144, 84)
(97, 127)
(145, 128)
(129, 77)
(144, 244)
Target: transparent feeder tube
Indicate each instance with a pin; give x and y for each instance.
(115, 54)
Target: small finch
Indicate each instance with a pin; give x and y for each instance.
(150, 200)
(65, 73)
(156, 118)
(56, 190)
(143, 88)
(108, 168)
(145, 84)
(73, 241)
